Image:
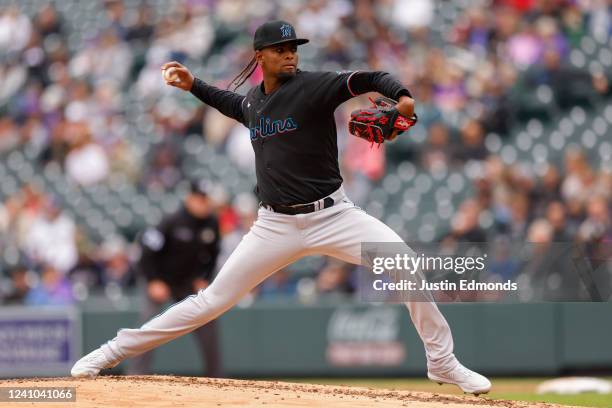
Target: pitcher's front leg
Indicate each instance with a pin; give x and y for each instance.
(270, 245)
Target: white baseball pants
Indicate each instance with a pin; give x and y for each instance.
(274, 241)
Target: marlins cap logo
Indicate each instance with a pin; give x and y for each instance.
(286, 30)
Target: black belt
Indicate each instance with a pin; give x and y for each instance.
(299, 209)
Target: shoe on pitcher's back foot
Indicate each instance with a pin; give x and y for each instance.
(469, 381)
(91, 364)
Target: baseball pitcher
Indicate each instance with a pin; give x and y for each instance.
(304, 210)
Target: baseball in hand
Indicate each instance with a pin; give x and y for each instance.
(171, 74)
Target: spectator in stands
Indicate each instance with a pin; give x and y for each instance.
(519, 216)
(472, 143)
(163, 173)
(429, 113)
(474, 30)
(239, 149)
(497, 110)
(505, 23)
(278, 286)
(9, 134)
(603, 184)
(503, 263)
(598, 223)
(125, 162)
(573, 25)
(552, 270)
(570, 86)
(548, 189)
(34, 132)
(53, 289)
(579, 176)
(465, 224)
(19, 286)
(600, 21)
(437, 152)
(421, 15)
(552, 39)
(47, 21)
(15, 29)
(142, 28)
(80, 105)
(320, 19)
(115, 12)
(86, 162)
(449, 90)
(107, 58)
(51, 238)
(555, 215)
(187, 31)
(524, 46)
(538, 264)
(24, 207)
(115, 263)
(86, 276)
(334, 278)
(496, 173)
(483, 192)
(8, 211)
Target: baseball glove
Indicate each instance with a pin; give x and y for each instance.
(377, 124)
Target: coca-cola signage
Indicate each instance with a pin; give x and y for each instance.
(365, 337)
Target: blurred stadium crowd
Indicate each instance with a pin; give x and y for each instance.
(513, 140)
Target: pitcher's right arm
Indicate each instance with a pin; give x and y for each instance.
(227, 102)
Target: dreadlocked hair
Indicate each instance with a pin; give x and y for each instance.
(244, 74)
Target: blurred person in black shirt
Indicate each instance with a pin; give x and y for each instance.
(335, 279)
(437, 151)
(472, 143)
(548, 190)
(178, 260)
(19, 287)
(465, 226)
(556, 215)
(114, 261)
(142, 29)
(571, 86)
(47, 21)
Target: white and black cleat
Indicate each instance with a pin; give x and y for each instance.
(469, 381)
(91, 364)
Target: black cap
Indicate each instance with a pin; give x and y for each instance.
(200, 187)
(275, 32)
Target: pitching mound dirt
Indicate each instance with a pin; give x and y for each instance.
(168, 391)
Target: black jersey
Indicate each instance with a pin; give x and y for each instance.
(293, 131)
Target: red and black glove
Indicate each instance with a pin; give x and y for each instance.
(377, 124)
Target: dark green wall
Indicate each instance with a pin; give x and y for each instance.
(272, 340)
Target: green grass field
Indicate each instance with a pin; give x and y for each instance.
(503, 388)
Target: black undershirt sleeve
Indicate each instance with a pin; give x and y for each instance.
(331, 89)
(227, 102)
(378, 81)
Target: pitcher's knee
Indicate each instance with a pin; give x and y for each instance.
(213, 303)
